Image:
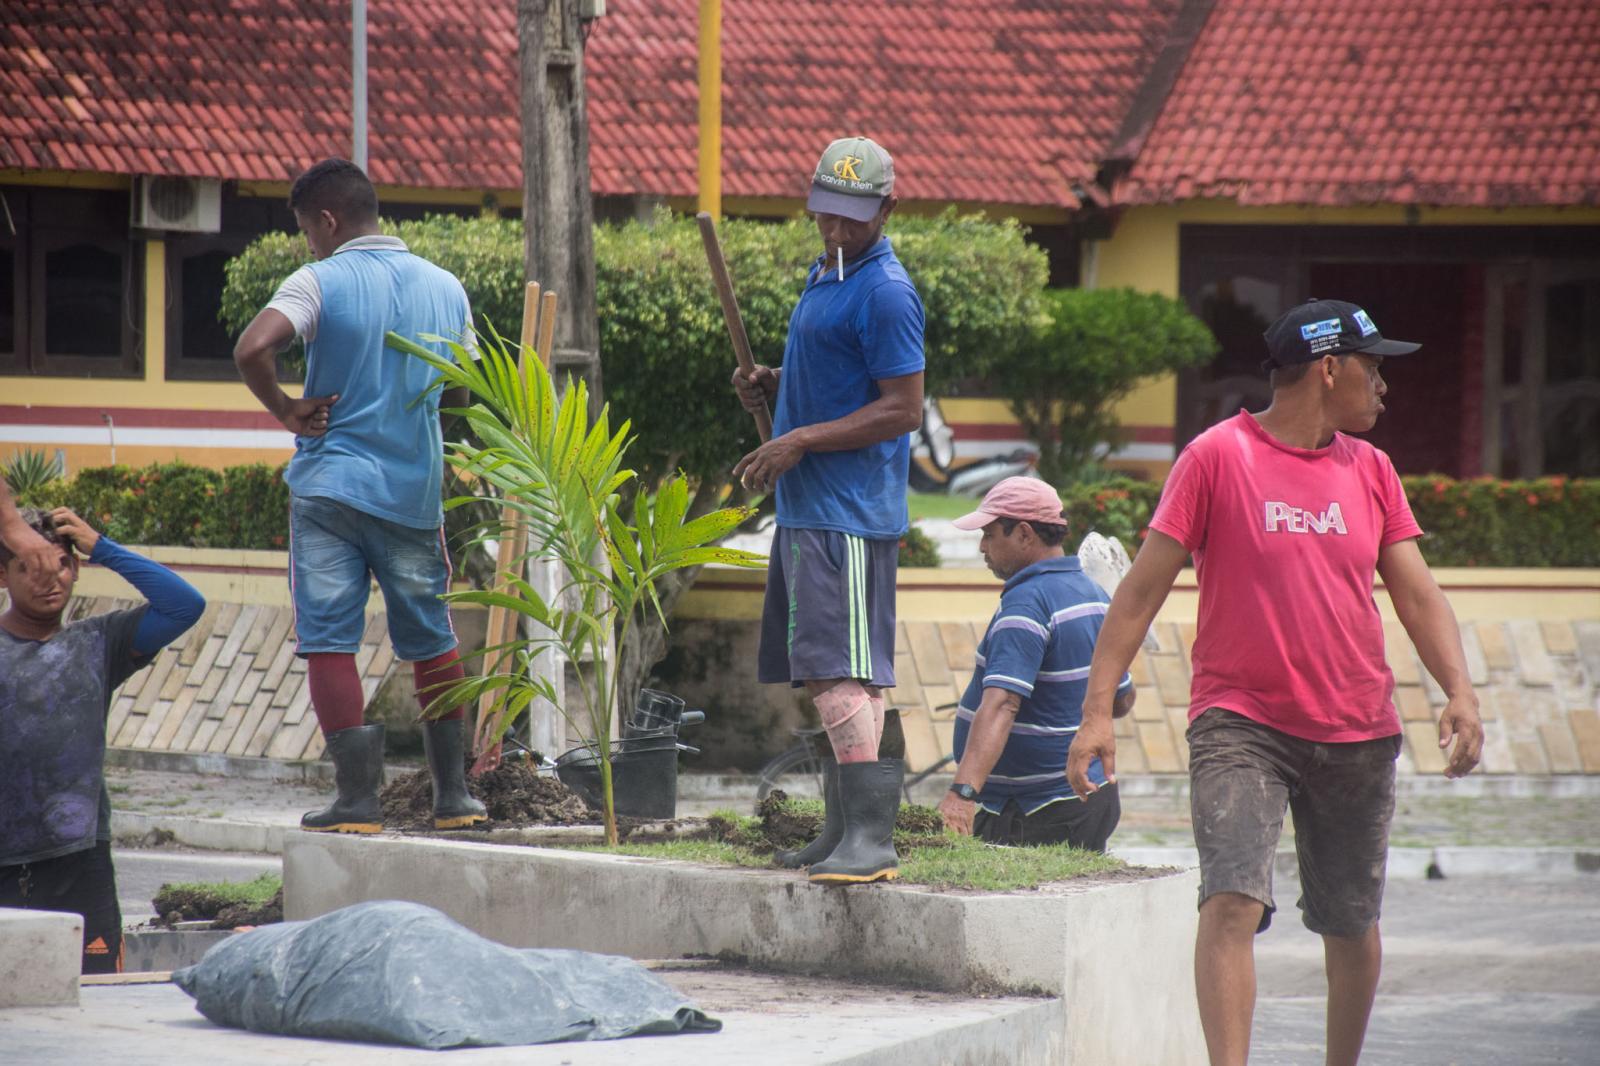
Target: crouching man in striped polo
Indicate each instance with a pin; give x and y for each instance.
(1025, 701)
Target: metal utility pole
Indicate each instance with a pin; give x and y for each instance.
(358, 83)
(558, 252)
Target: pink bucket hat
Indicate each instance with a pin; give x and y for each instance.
(1026, 498)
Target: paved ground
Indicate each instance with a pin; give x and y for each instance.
(1479, 970)
(766, 1019)
(1155, 812)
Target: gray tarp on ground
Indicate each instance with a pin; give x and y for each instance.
(401, 973)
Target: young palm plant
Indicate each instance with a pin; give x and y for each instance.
(543, 458)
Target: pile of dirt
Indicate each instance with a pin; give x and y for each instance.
(195, 903)
(784, 823)
(513, 792)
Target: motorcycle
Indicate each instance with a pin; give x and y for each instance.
(933, 453)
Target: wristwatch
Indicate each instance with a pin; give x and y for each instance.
(966, 792)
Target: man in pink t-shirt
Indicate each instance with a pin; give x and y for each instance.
(1288, 520)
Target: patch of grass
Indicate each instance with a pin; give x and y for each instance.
(253, 893)
(118, 790)
(928, 855)
(954, 863)
(972, 864)
(931, 505)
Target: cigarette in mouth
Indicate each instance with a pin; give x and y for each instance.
(841, 262)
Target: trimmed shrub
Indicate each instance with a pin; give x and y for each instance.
(1485, 522)
(182, 505)
(1480, 522)
(664, 348)
(1089, 351)
(918, 549)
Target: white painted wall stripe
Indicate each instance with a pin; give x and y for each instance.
(155, 436)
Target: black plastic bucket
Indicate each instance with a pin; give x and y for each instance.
(653, 712)
(644, 775)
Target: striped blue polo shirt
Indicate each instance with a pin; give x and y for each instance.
(1038, 645)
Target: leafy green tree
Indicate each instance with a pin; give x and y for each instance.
(1091, 349)
(663, 344)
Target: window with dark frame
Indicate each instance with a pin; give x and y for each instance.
(71, 284)
(199, 346)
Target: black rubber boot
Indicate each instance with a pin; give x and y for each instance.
(832, 824)
(453, 805)
(869, 795)
(357, 755)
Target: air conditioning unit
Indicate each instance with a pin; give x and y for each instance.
(189, 205)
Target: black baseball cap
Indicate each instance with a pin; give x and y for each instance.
(1326, 327)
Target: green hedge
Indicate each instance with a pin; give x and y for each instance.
(178, 504)
(665, 350)
(1480, 522)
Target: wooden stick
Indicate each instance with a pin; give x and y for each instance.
(730, 312)
(502, 624)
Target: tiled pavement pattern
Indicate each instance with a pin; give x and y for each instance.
(230, 686)
(1539, 683)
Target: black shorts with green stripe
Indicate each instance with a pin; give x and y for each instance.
(829, 611)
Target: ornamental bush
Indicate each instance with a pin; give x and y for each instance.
(181, 505)
(1550, 521)
(1091, 348)
(665, 352)
(1479, 522)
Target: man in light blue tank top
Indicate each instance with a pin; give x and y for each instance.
(365, 480)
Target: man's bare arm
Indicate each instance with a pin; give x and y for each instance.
(1431, 625)
(896, 411)
(991, 728)
(256, 356)
(38, 556)
(1128, 619)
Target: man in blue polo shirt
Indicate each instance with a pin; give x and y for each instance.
(364, 482)
(1025, 701)
(849, 393)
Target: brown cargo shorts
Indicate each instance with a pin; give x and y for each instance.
(1243, 775)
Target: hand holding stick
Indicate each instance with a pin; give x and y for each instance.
(730, 311)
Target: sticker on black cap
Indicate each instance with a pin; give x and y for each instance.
(1322, 335)
(1367, 328)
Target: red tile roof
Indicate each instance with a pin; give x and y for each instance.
(1462, 102)
(990, 101)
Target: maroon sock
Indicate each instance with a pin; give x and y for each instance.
(335, 690)
(436, 675)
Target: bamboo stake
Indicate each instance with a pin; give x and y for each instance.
(538, 335)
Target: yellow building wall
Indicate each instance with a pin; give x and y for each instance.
(149, 391)
(1142, 253)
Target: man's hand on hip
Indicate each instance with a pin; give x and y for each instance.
(1459, 722)
(1095, 738)
(308, 416)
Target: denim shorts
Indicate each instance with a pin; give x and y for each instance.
(335, 553)
(1243, 775)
